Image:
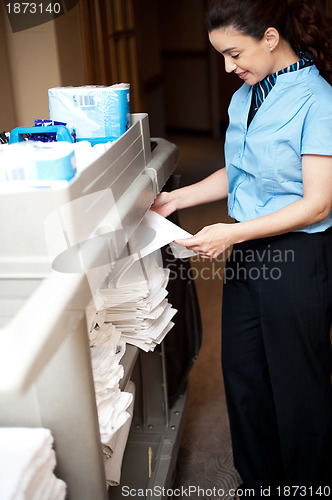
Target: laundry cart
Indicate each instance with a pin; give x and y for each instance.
(45, 364)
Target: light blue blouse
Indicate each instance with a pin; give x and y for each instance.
(263, 161)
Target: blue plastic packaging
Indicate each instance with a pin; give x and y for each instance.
(59, 132)
(93, 111)
(38, 163)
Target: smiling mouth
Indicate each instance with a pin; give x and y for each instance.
(243, 74)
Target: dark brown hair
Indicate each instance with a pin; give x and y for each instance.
(300, 22)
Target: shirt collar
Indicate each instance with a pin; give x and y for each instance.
(306, 59)
(261, 89)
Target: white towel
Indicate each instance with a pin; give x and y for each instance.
(107, 349)
(118, 443)
(27, 461)
(112, 413)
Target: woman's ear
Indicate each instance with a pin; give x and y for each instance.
(272, 37)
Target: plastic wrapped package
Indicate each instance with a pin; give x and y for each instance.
(37, 163)
(92, 111)
(46, 137)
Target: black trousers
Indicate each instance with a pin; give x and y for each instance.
(276, 359)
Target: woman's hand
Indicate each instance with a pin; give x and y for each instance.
(164, 204)
(211, 241)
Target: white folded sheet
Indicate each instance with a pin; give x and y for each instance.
(117, 444)
(27, 460)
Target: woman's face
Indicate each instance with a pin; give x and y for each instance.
(248, 58)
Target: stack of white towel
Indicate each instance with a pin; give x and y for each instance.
(137, 303)
(27, 460)
(134, 309)
(115, 407)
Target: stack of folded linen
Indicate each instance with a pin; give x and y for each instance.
(117, 444)
(114, 406)
(133, 309)
(27, 461)
(137, 305)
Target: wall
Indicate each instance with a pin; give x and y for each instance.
(149, 63)
(69, 48)
(185, 58)
(7, 104)
(37, 59)
(196, 87)
(228, 84)
(182, 80)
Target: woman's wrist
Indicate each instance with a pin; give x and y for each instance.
(172, 199)
(236, 233)
(176, 199)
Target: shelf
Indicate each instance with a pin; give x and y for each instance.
(154, 426)
(128, 362)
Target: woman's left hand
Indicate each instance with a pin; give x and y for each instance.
(210, 241)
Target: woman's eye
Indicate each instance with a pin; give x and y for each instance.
(236, 56)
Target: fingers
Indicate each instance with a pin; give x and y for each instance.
(163, 205)
(192, 244)
(210, 241)
(187, 242)
(183, 243)
(199, 246)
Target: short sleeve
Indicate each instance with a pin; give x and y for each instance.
(317, 127)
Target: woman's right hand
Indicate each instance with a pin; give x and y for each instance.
(164, 204)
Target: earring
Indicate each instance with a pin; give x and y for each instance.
(271, 48)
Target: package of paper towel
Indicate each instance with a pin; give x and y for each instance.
(37, 163)
(93, 111)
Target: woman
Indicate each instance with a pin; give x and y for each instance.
(277, 299)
